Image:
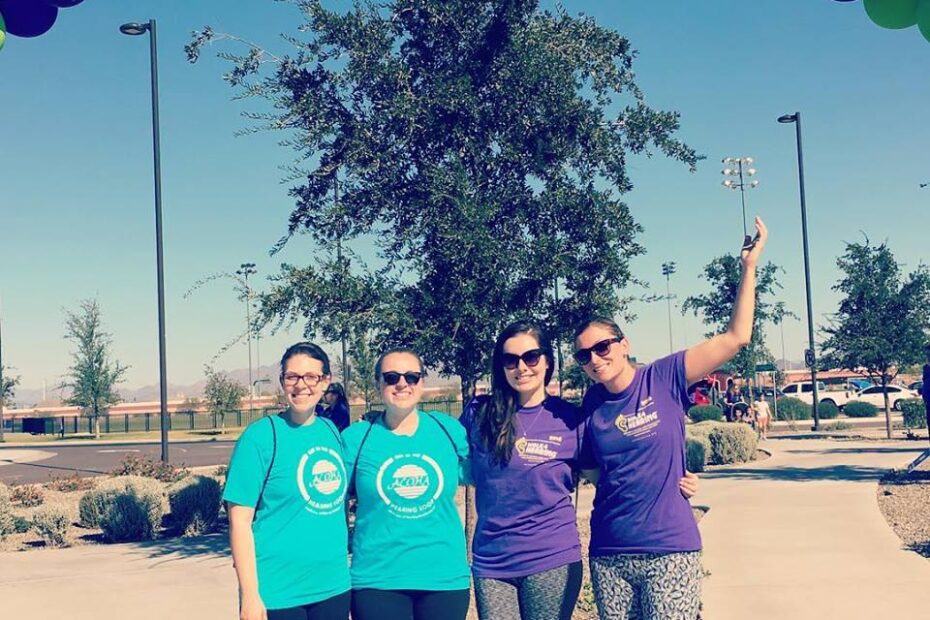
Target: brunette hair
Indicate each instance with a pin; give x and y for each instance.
(310, 350)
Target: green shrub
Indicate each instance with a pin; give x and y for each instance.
(915, 415)
(51, 524)
(6, 512)
(133, 512)
(793, 409)
(732, 443)
(696, 453)
(860, 409)
(21, 525)
(134, 465)
(28, 495)
(94, 504)
(827, 411)
(195, 504)
(700, 413)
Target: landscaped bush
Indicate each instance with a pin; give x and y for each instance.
(915, 415)
(134, 465)
(732, 443)
(700, 413)
(51, 523)
(793, 409)
(860, 409)
(70, 484)
(827, 411)
(696, 450)
(95, 503)
(28, 495)
(6, 512)
(134, 512)
(195, 504)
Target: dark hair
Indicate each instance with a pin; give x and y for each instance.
(310, 350)
(393, 351)
(601, 321)
(496, 419)
(339, 391)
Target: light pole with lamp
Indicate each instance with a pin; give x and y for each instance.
(667, 270)
(136, 29)
(741, 185)
(244, 271)
(810, 356)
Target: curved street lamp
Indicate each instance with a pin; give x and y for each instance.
(810, 356)
(137, 29)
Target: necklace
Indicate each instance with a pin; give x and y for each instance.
(527, 429)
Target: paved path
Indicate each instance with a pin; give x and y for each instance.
(22, 464)
(800, 536)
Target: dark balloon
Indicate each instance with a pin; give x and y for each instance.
(64, 4)
(28, 18)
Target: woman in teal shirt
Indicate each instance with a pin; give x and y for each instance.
(285, 494)
(409, 560)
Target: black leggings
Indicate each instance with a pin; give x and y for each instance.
(369, 604)
(333, 608)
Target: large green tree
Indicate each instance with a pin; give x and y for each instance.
(883, 320)
(716, 306)
(93, 374)
(482, 145)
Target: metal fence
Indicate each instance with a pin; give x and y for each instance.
(177, 421)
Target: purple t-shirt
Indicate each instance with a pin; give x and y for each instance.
(526, 520)
(637, 439)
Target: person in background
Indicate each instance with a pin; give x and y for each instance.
(336, 406)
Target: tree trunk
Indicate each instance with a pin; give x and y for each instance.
(887, 405)
(471, 515)
(96, 424)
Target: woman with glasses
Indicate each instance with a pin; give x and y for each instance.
(524, 449)
(336, 406)
(408, 549)
(645, 552)
(285, 494)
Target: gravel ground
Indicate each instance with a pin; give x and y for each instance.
(904, 499)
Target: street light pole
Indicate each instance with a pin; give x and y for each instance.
(667, 270)
(811, 357)
(245, 270)
(738, 171)
(136, 29)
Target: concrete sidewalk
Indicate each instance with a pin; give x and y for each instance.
(800, 536)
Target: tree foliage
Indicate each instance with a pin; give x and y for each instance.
(883, 320)
(8, 386)
(482, 145)
(222, 394)
(93, 374)
(723, 273)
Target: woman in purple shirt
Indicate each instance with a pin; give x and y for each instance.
(524, 448)
(645, 552)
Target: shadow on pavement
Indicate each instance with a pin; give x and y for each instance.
(800, 474)
(207, 547)
(862, 450)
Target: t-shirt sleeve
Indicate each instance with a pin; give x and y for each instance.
(670, 371)
(249, 465)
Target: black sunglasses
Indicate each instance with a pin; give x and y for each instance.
(393, 378)
(583, 356)
(530, 358)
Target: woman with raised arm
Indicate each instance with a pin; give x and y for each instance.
(405, 464)
(285, 494)
(645, 552)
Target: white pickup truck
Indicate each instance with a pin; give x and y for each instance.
(803, 392)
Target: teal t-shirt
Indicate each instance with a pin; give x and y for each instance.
(300, 525)
(408, 533)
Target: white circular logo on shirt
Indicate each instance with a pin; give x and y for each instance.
(410, 484)
(321, 478)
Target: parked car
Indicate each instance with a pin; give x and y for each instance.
(876, 396)
(803, 390)
(917, 386)
(858, 384)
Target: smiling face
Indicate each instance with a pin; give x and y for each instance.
(526, 380)
(299, 372)
(402, 396)
(605, 368)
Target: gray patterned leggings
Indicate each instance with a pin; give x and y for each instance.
(652, 586)
(549, 595)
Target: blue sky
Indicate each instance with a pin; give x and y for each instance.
(76, 198)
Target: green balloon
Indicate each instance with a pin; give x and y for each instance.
(923, 19)
(893, 14)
